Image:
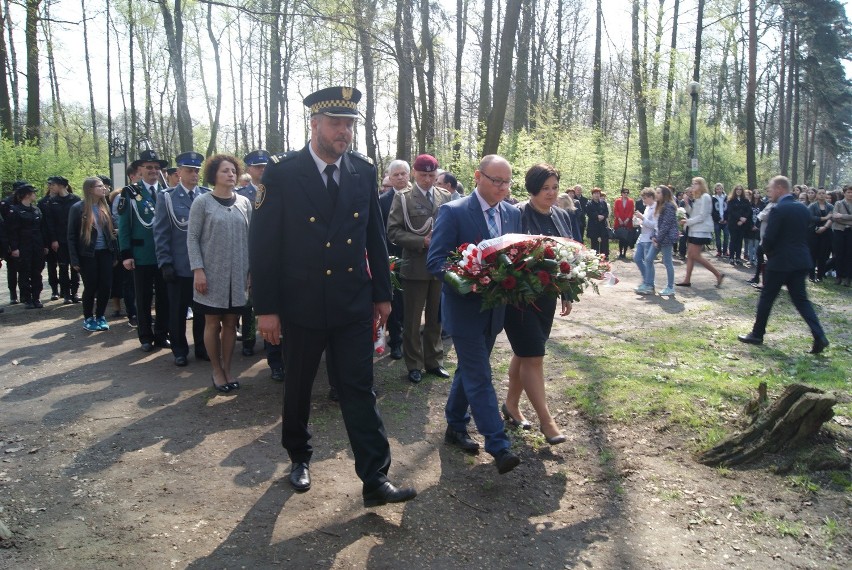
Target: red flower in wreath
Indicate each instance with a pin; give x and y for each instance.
(565, 267)
(549, 253)
(509, 283)
(543, 277)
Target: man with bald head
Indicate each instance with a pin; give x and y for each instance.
(481, 215)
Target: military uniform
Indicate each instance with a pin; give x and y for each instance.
(56, 210)
(319, 261)
(409, 222)
(171, 222)
(136, 210)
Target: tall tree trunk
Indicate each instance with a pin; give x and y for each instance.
(484, 108)
(522, 97)
(405, 95)
(96, 144)
(214, 126)
(667, 114)
(782, 125)
(794, 155)
(365, 15)
(557, 82)
(504, 77)
(33, 130)
(655, 66)
(131, 38)
(461, 33)
(173, 27)
(792, 77)
(751, 94)
(13, 74)
(6, 129)
(596, 71)
(639, 96)
(427, 46)
(273, 127)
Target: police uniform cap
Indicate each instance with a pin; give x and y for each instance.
(256, 158)
(24, 190)
(61, 180)
(149, 156)
(106, 180)
(189, 159)
(18, 183)
(171, 170)
(334, 102)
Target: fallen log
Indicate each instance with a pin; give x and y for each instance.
(796, 416)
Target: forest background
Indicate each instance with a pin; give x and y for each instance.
(621, 93)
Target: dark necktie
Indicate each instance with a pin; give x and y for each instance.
(493, 230)
(191, 195)
(333, 188)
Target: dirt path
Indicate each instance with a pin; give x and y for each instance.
(113, 458)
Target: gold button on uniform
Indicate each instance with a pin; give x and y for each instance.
(349, 241)
(349, 270)
(312, 219)
(328, 272)
(328, 244)
(356, 214)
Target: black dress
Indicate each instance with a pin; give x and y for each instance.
(528, 327)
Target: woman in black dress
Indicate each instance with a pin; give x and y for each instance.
(528, 327)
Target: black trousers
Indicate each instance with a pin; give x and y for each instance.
(795, 282)
(737, 236)
(12, 277)
(350, 362)
(69, 279)
(122, 286)
(97, 282)
(180, 298)
(148, 281)
(30, 266)
(820, 245)
(395, 320)
(841, 248)
(600, 244)
(52, 272)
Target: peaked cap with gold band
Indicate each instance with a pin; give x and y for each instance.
(334, 102)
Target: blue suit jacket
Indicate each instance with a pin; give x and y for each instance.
(785, 241)
(462, 221)
(169, 238)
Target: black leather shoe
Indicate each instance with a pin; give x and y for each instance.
(55, 296)
(439, 371)
(277, 374)
(163, 343)
(300, 477)
(461, 439)
(388, 493)
(202, 356)
(396, 353)
(75, 299)
(750, 339)
(181, 361)
(248, 351)
(819, 345)
(147, 347)
(506, 461)
(332, 394)
(510, 419)
(414, 376)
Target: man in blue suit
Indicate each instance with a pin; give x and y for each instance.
(785, 244)
(171, 221)
(480, 215)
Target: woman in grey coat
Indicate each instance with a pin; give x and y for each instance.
(217, 240)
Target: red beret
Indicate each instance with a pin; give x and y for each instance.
(425, 163)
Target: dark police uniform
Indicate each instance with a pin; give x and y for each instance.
(56, 210)
(50, 258)
(309, 260)
(27, 235)
(11, 262)
(136, 210)
(171, 222)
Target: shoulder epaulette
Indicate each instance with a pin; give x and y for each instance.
(205, 188)
(356, 154)
(131, 189)
(281, 157)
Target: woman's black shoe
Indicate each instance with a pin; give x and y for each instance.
(224, 388)
(556, 439)
(512, 421)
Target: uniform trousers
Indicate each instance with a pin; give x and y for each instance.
(273, 352)
(841, 248)
(472, 391)
(97, 282)
(180, 293)
(148, 281)
(350, 349)
(122, 287)
(795, 282)
(396, 319)
(12, 277)
(428, 352)
(30, 266)
(69, 279)
(52, 271)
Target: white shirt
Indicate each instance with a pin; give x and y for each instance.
(321, 164)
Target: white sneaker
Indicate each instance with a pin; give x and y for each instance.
(645, 290)
(667, 292)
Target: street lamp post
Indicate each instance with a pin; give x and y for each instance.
(693, 127)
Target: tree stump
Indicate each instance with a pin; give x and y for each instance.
(795, 416)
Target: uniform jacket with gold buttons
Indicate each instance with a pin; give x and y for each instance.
(406, 234)
(309, 257)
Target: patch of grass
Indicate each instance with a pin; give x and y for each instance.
(831, 529)
(723, 471)
(787, 528)
(805, 483)
(757, 517)
(670, 494)
(842, 480)
(738, 501)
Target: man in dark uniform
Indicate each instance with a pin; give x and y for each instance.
(317, 215)
(788, 261)
(171, 222)
(56, 210)
(172, 176)
(11, 262)
(395, 319)
(136, 208)
(50, 259)
(28, 244)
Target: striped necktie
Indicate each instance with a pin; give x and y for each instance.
(492, 222)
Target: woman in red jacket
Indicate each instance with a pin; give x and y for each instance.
(623, 212)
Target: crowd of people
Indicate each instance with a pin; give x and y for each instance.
(295, 250)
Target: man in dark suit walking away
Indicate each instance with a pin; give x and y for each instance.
(481, 215)
(317, 215)
(785, 244)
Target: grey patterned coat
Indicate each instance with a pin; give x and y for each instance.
(217, 241)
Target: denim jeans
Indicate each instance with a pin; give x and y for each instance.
(722, 236)
(667, 262)
(642, 248)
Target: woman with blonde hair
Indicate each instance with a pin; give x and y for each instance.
(700, 224)
(92, 249)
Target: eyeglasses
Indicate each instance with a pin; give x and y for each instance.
(497, 181)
